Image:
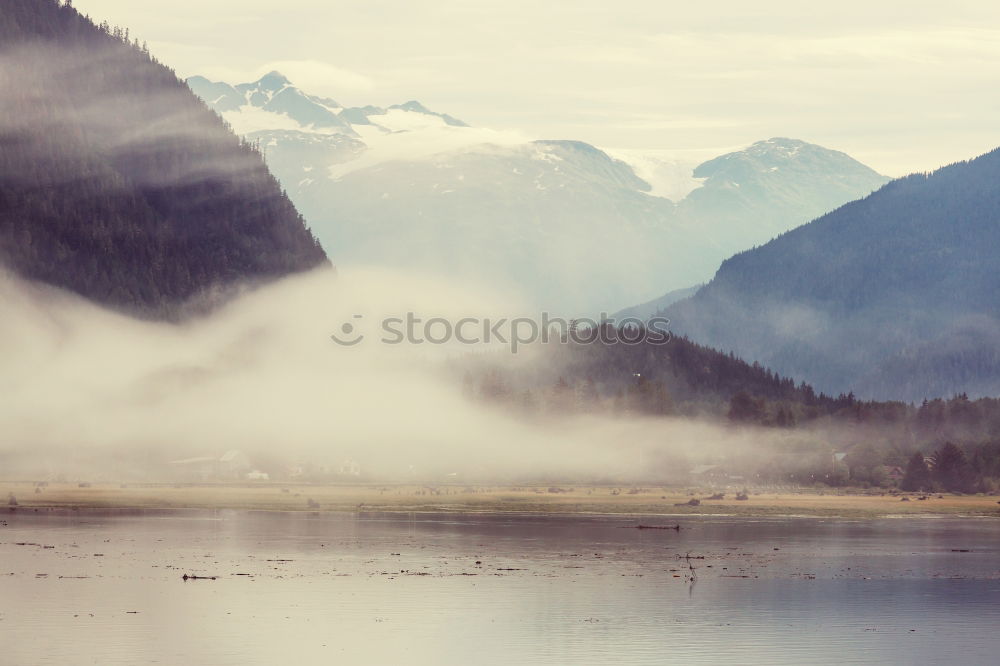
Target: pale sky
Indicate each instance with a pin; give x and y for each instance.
(901, 85)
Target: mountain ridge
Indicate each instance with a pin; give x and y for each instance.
(416, 191)
(905, 269)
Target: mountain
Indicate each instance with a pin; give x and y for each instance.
(274, 94)
(570, 227)
(896, 295)
(117, 183)
(564, 225)
(754, 193)
(649, 309)
(417, 107)
(560, 221)
(281, 105)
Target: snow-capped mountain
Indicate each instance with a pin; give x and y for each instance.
(283, 103)
(562, 224)
(275, 95)
(740, 189)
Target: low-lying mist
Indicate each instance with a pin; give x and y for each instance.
(92, 394)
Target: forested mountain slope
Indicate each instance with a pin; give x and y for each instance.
(895, 296)
(116, 182)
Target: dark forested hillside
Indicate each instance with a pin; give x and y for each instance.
(679, 377)
(116, 182)
(947, 444)
(894, 296)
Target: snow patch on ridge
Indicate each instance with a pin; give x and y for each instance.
(669, 173)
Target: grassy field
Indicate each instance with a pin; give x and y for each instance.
(589, 500)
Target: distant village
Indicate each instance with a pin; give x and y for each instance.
(838, 470)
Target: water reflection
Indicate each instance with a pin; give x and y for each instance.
(107, 587)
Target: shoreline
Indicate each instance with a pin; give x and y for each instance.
(514, 500)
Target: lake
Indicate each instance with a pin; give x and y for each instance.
(108, 587)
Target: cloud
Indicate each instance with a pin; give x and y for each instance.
(875, 79)
(96, 393)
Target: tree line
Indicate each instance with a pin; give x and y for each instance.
(939, 444)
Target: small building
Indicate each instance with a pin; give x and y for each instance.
(257, 475)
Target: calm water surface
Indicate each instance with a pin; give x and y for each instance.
(107, 588)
